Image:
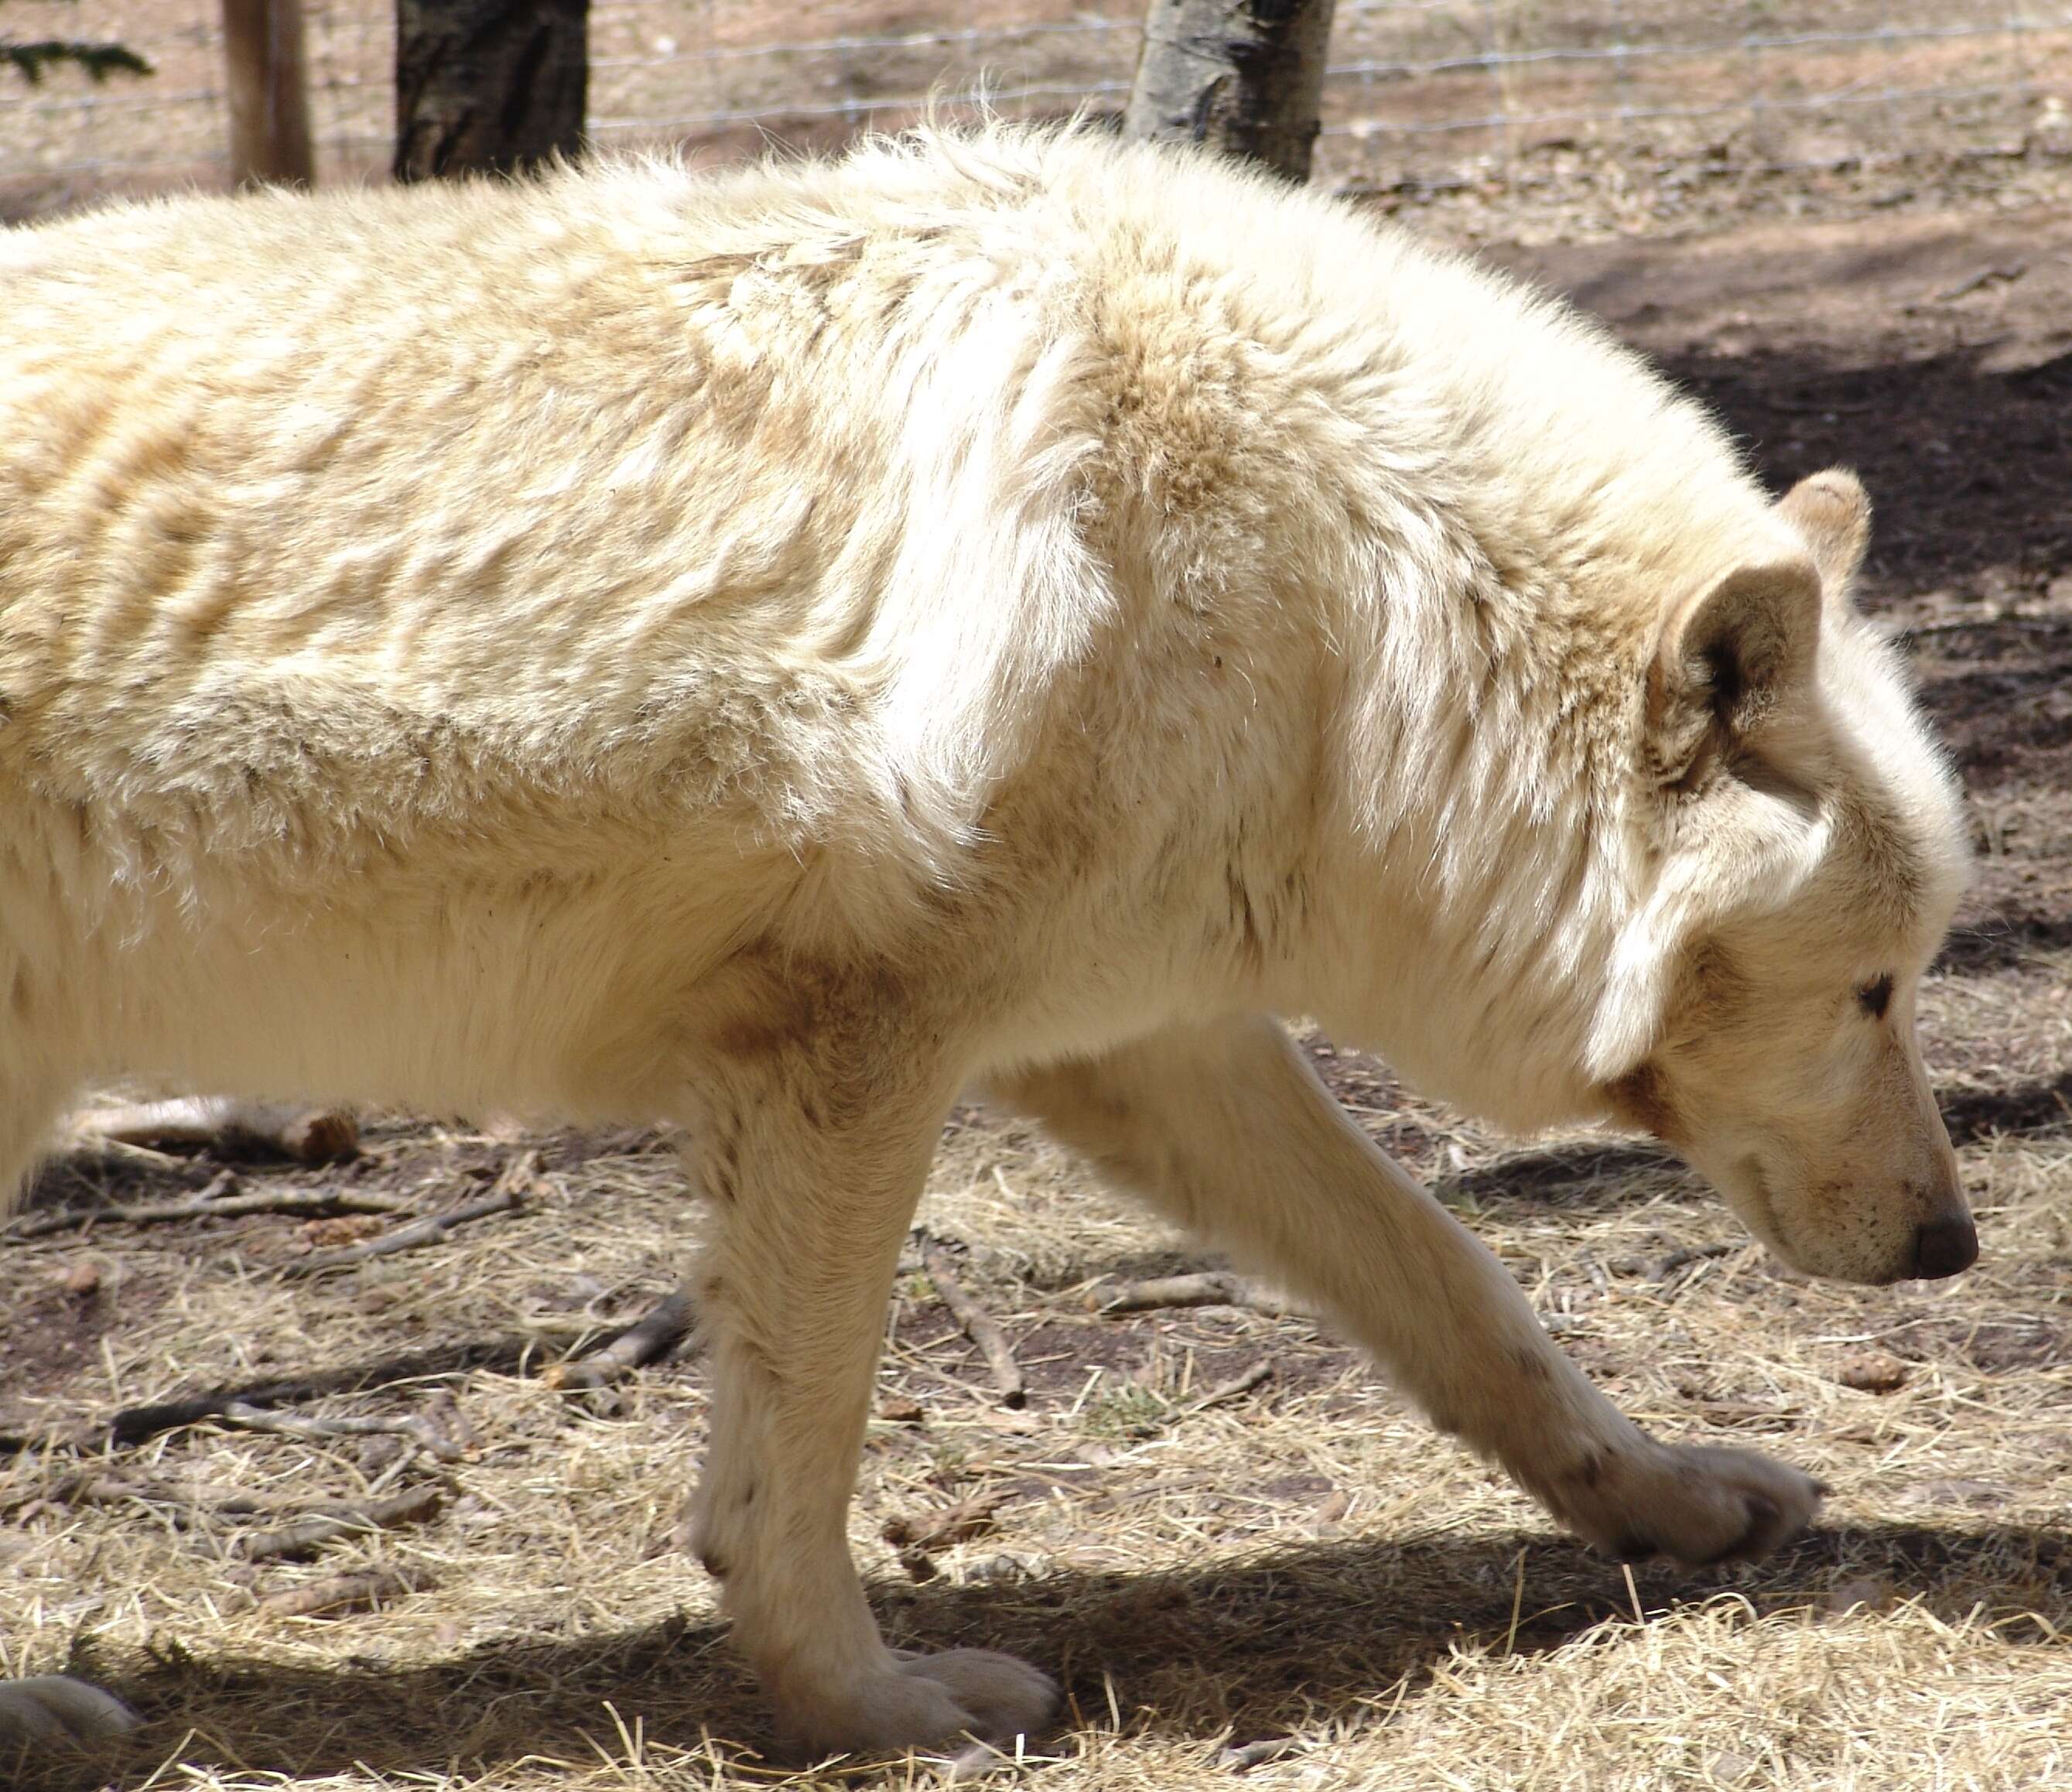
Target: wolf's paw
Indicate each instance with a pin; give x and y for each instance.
(54, 1707)
(1693, 1505)
(935, 1703)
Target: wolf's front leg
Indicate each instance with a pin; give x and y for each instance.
(813, 1185)
(1226, 1128)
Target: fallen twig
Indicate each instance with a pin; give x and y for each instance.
(308, 1135)
(413, 1427)
(343, 1593)
(1224, 1391)
(220, 1200)
(1257, 1754)
(958, 1522)
(332, 1519)
(1208, 1288)
(88, 1487)
(1689, 1254)
(137, 1425)
(1985, 277)
(979, 1325)
(509, 1191)
(641, 1343)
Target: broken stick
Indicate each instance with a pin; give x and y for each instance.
(412, 1428)
(509, 1191)
(640, 1344)
(1208, 1288)
(308, 1135)
(343, 1593)
(979, 1325)
(958, 1522)
(220, 1200)
(1225, 1391)
(133, 1425)
(335, 1518)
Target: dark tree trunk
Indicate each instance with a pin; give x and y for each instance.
(269, 109)
(1247, 75)
(488, 86)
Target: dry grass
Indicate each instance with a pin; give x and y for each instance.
(1304, 1562)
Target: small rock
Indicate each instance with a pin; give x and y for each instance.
(320, 1235)
(996, 1567)
(1872, 1372)
(900, 1410)
(379, 1451)
(81, 1281)
(1330, 1512)
(1866, 1592)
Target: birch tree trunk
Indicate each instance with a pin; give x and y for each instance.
(1247, 75)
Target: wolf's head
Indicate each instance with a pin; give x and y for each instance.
(1806, 852)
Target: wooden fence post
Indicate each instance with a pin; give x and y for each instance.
(270, 107)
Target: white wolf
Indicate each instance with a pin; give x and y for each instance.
(768, 650)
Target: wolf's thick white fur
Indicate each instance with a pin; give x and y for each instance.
(768, 650)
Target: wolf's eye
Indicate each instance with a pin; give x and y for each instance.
(1875, 997)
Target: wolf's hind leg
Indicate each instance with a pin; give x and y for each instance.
(812, 1188)
(49, 1711)
(1228, 1129)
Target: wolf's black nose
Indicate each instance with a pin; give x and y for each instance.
(1945, 1247)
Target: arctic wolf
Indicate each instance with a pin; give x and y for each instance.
(769, 649)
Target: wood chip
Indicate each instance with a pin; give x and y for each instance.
(1231, 1390)
(972, 1516)
(1208, 1288)
(338, 1594)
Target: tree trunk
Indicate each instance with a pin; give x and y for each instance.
(488, 86)
(1247, 75)
(270, 108)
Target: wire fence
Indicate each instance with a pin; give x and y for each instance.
(1638, 107)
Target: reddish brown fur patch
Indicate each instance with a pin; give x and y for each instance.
(1641, 1099)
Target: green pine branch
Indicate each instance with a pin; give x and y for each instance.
(100, 60)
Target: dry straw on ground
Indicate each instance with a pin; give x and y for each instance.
(1295, 1585)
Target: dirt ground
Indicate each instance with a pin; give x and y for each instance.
(1296, 1563)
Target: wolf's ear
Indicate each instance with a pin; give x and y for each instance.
(1832, 512)
(1728, 659)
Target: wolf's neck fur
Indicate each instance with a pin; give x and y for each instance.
(1491, 507)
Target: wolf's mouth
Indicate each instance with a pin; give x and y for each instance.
(1758, 1210)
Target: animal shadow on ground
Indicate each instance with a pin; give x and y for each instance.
(1255, 1647)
